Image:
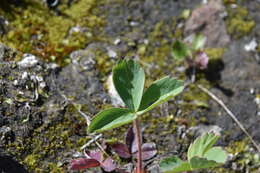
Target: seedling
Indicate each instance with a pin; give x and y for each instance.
(129, 79)
(192, 52)
(201, 155)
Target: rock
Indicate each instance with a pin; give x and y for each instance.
(80, 77)
(202, 129)
(115, 98)
(251, 46)
(39, 100)
(6, 53)
(3, 25)
(207, 20)
(9, 165)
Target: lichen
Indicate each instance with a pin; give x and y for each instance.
(238, 22)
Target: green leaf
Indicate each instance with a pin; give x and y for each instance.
(217, 154)
(202, 163)
(160, 91)
(173, 165)
(180, 50)
(198, 42)
(128, 78)
(201, 145)
(110, 118)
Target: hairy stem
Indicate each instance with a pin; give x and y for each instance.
(138, 137)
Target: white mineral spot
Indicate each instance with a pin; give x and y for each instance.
(28, 60)
(24, 75)
(111, 53)
(117, 41)
(15, 82)
(251, 46)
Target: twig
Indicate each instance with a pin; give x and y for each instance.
(220, 102)
(102, 149)
(87, 118)
(83, 114)
(95, 138)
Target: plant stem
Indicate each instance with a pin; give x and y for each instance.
(138, 137)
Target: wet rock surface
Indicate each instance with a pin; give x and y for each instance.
(41, 123)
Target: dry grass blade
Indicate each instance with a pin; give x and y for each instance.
(229, 112)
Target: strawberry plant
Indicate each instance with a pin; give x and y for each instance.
(192, 52)
(129, 79)
(201, 155)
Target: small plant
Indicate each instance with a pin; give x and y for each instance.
(201, 155)
(192, 52)
(129, 79)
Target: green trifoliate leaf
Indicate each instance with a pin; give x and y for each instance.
(174, 165)
(198, 42)
(159, 92)
(217, 154)
(180, 50)
(128, 78)
(202, 163)
(110, 118)
(201, 145)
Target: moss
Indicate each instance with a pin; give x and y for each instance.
(215, 53)
(48, 141)
(243, 155)
(31, 160)
(104, 63)
(35, 29)
(238, 22)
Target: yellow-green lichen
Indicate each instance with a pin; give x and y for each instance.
(238, 22)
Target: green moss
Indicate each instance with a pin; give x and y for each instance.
(238, 22)
(32, 160)
(37, 30)
(243, 155)
(42, 152)
(215, 53)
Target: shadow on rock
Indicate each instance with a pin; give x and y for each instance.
(9, 165)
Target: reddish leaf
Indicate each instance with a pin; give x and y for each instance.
(108, 165)
(148, 151)
(83, 163)
(95, 154)
(129, 139)
(121, 149)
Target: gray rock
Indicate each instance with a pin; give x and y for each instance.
(208, 20)
(35, 96)
(3, 25)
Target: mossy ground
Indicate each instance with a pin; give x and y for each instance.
(238, 21)
(37, 30)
